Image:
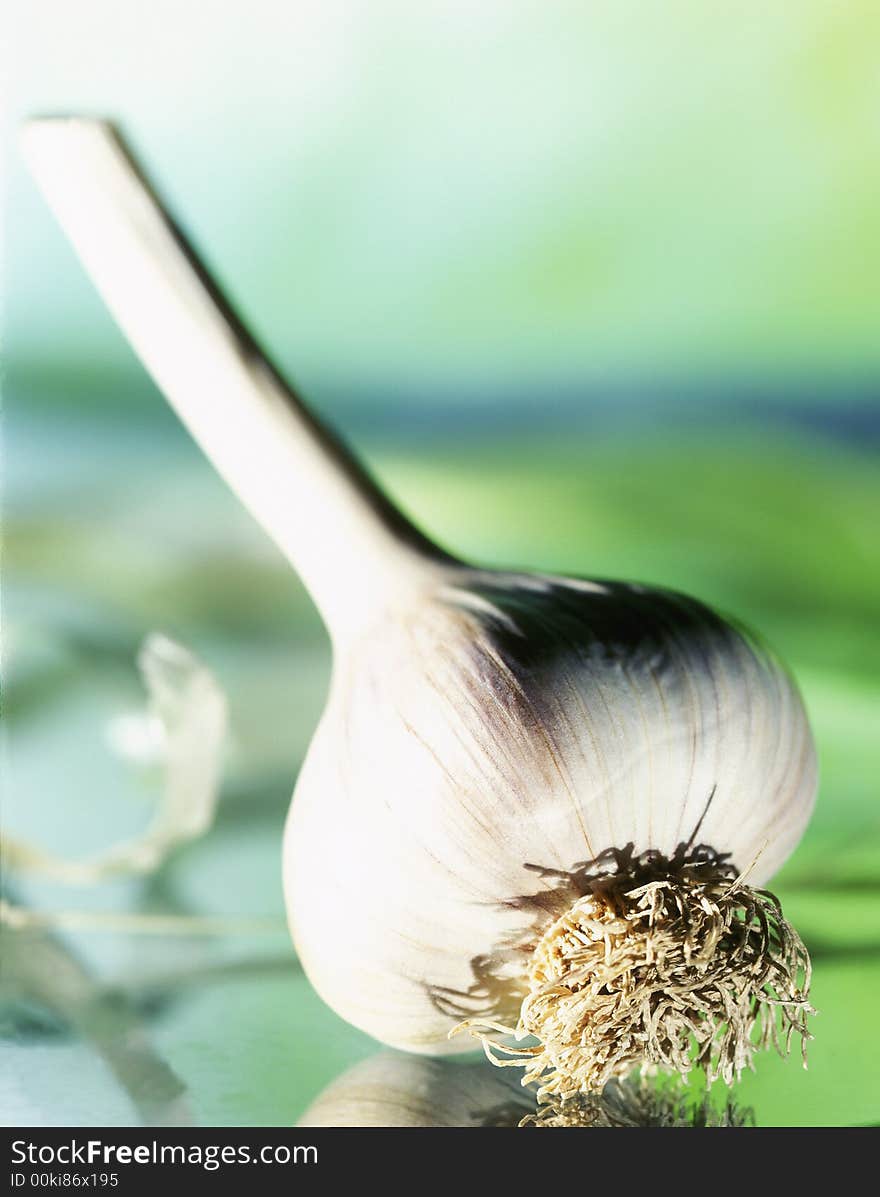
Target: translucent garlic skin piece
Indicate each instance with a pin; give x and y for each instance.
(506, 726)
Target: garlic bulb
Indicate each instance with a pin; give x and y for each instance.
(481, 748)
(537, 805)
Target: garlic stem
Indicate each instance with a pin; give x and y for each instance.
(354, 551)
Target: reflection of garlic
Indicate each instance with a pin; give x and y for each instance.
(404, 1091)
(487, 735)
(638, 1101)
(398, 1090)
(42, 971)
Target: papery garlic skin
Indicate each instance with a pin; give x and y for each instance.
(511, 723)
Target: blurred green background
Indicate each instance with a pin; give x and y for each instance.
(593, 287)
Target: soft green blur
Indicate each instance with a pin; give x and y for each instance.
(593, 288)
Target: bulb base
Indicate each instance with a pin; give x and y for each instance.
(668, 962)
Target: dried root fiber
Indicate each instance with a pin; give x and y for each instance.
(668, 962)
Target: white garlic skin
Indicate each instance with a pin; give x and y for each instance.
(500, 721)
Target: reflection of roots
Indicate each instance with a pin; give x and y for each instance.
(637, 1103)
(665, 961)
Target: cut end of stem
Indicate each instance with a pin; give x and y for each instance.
(669, 962)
